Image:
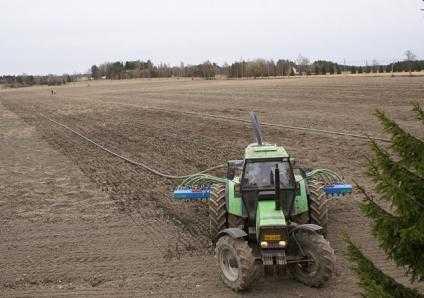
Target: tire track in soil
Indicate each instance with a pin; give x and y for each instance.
(36, 261)
(136, 193)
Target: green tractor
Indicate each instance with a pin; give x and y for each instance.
(269, 213)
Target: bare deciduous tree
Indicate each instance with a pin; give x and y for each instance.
(303, 64)
(375, 65)
(410, 56)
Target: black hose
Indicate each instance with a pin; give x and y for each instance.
(154, 171)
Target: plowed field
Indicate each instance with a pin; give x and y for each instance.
(78, 221)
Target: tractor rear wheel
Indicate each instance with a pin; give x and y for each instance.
(319, 266)
(217, 210)
(318, 204)
(238, 269)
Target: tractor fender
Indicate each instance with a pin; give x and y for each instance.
(309, 228)
(234, 233)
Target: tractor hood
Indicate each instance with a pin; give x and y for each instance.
(266, 215)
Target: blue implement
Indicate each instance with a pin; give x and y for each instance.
(338, 189)
(192, 194)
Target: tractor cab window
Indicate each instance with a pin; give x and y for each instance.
(261, 174)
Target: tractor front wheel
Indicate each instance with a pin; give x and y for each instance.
(318, 264)
(236, 262)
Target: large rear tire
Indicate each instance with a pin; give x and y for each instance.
(217, 210)
(318, 204)
(318, 249)
(236, 262)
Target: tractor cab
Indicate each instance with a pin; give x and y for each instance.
(267, 175)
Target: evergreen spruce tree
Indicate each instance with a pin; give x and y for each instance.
(373, 281)
(398, 173)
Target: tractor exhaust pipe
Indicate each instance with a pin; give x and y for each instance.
(277, 188)
(256, 128)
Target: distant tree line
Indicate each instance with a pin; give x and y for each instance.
(400, 66)
(269, 68)
(261, 68)
(242, 69)
(258, 68)
(146, 69)
(327, 67)
(15, 81)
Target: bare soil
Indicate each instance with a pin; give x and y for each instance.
(77, 221)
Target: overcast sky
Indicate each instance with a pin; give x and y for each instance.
(56, 36)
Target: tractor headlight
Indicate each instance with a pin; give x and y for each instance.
(264, 244)
(282, 243)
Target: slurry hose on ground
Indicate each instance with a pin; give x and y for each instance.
(146, 167)
(320, 174)
(291, 127)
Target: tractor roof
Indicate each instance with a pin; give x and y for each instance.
(255, 151)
